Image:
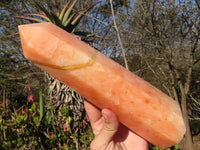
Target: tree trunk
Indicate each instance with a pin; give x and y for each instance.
(188, 145)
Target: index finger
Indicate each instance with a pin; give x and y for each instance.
(95, 117)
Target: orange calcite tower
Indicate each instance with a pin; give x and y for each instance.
(140, 106)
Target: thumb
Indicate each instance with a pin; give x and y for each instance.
(109, 129)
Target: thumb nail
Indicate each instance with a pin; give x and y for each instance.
(105, 117)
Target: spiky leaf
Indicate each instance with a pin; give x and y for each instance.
(78, 18)
(64, 10)
(56, 20)
(67, 13)
(39, 15)
(30, 18)
(70, 19)
(47, 13)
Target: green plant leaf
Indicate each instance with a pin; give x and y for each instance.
(53, 122)
(65, 111)
(47, 13)
(36, 121)
(155, 148)
(84, 139)
(70, 19)
(33, 108)
(30, 18)
(69, 119)
(56, 20)
(176, 147)
(78, 18)
(73, 135)
(64, 10)
(67, 13)
(41, 102)
(39, 15)
(20, 120)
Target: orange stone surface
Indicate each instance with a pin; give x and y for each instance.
(140, 106)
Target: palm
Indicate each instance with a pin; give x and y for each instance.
(123, 139)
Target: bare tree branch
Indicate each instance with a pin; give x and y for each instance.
(118, 36)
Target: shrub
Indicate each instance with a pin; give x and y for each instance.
(23, 128)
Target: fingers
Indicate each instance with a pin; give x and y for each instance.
(93, 112)
(104, 124)
(109, 129)
(95, 117)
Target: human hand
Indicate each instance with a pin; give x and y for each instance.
(109, 133)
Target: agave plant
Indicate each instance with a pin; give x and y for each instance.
(65, 18)
(68, 19)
